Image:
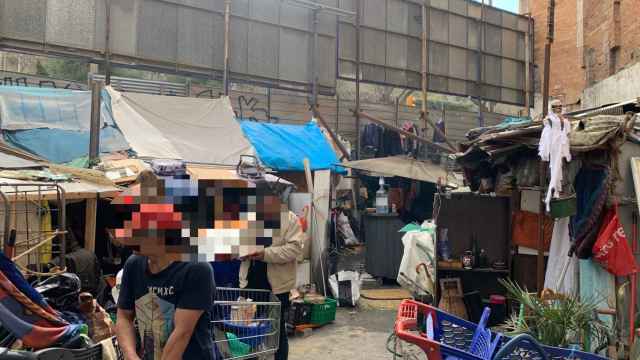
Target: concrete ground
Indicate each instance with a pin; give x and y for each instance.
(357, 334)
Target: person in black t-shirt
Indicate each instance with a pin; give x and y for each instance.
(169, 299)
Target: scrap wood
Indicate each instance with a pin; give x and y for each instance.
(89, 175)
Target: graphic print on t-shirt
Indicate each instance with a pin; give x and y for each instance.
(155, 322)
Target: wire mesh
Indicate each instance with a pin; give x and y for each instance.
(246, 323)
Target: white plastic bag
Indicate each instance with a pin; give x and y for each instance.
(345, 230)
(419, 248)
(345, 287)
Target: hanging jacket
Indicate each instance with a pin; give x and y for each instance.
(371, 138)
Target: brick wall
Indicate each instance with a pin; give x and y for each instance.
(593, 40)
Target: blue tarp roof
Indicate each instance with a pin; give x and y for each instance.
(284, 147)
(54, 123)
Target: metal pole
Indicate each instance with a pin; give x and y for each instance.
(107, 44)
(527, 76)
(94, 135)
(268, 104)
(545, 108)
(547, 57)
(357, 113)
(396, 114)
(314, 61)
(225, 76)
(424, 64)
(480, 66)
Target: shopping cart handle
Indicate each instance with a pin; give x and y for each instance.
(517, 341)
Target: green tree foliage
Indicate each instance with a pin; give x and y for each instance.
(63, 69)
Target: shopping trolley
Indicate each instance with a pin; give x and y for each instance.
(241, 336)
(443, 336)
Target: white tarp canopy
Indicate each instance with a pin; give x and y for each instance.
(171, 127)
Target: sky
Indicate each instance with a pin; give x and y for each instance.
(510, 5)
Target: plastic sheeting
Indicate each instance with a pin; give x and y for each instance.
(62, 146)
(54, 123)
(24, 108)
(284, 147)
(189, 129)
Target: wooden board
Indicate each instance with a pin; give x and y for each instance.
(320, 221)
(91, 211)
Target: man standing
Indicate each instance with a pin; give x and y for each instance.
(170, 299)
(274, 268)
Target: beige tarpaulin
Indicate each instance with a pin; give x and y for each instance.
(405, 167)
(172, 127)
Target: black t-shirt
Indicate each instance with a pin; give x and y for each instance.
(155, 297)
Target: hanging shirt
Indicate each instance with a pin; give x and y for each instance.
(554, 148)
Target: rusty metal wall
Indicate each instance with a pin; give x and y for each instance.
(390, 40)
(269, 40)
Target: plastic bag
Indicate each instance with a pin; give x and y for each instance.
(345, 287)
(345, 230)
(611, 249)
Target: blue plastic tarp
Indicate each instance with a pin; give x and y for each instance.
(54, 123)
(284, 147)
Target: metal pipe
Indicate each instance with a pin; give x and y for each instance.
(94, 135)
(480, 65)
(527, 76)
(357, 112)
(7, 219)
(314, 61)
(107, 44)
(227, 25)
(425, 65)
(268, 104)
(547, 58)
(634, 281)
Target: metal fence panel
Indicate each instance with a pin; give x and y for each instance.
(24, 20)
(463, 36)
(182, 35)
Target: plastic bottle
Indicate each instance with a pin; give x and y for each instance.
(382, 199)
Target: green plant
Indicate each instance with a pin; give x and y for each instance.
(560, 321)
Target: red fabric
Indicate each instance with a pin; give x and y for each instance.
(611, 249)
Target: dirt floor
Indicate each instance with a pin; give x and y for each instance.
(356, 334)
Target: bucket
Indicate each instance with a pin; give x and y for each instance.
(563, 207)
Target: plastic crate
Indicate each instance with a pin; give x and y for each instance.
(322, 314)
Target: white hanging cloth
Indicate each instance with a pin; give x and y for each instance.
(562, 270)
(554, 147)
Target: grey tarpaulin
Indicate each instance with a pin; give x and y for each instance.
(171, 127)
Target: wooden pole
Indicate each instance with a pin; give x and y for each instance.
(402, 132)
(439, 132)
(527, 75)
(425, 64)
(94, 133)
(334, 137)
(227, 25)
(107, 45)
(91, 211)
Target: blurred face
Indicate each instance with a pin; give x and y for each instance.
(190, 220)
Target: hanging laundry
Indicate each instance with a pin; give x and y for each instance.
(391, 144)
(409, 145)
(554, 148)
(437, 138)
(371, 138)
(562, 270)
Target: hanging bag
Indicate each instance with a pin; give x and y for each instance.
(611, 249)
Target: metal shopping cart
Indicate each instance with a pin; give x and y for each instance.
(443, 336)
(246, 329)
